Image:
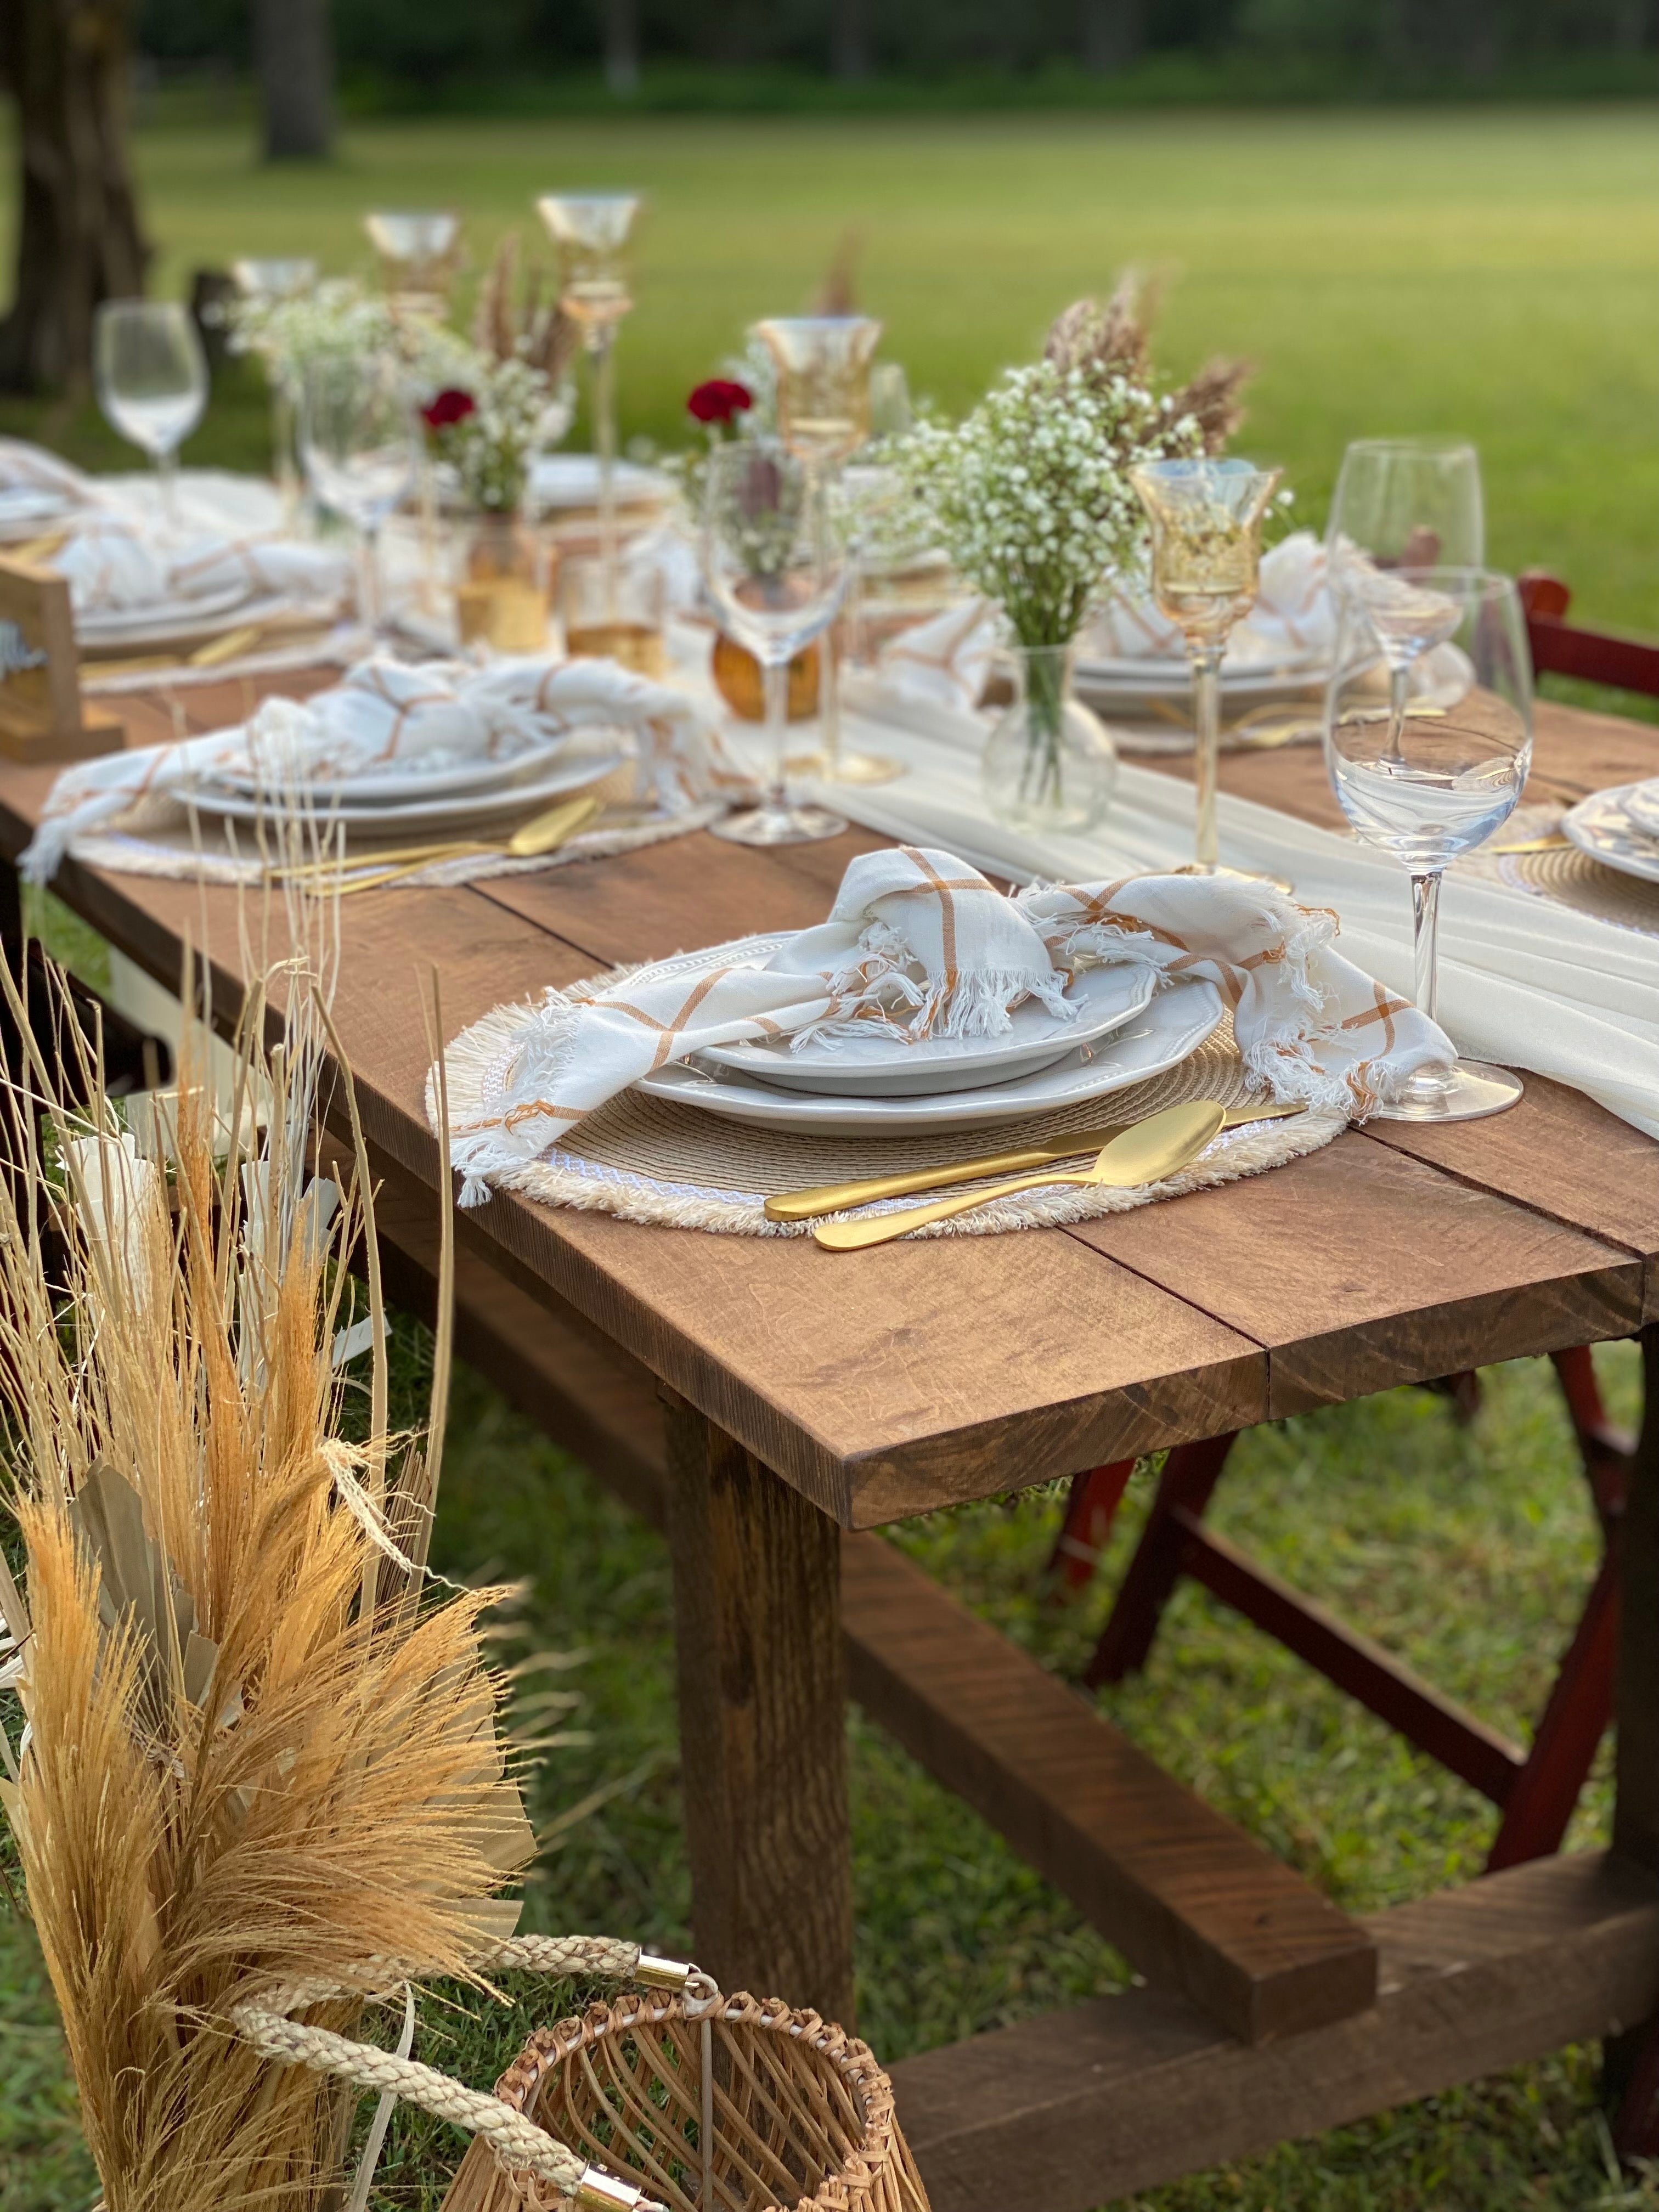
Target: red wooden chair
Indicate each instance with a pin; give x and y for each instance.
(1535, 1790)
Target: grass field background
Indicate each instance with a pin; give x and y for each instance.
(1490, 272)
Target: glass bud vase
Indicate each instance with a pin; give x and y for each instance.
(501, 598)
(1048, 763)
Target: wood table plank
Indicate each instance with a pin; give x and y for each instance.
(1358, 1267)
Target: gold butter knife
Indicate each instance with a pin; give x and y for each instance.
(839, 1197)
(1554, 843)
(1153, 1149)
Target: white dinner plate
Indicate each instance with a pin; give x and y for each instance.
(159, 620)
(1602, 826)
(398, 787)
(880, 1064)
(1157, 674)
(1176, 1023)
(511, 802)
(1642, 805)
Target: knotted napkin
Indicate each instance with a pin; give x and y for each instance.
(920, 945)
(120, 563)
(388, 716)
(35, 486)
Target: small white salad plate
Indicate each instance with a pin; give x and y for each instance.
(880, 1063)
(1173, 1026)
(1604, 827)
(402, 782)
(572, 773)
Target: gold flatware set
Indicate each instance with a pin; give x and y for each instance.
(533, 840)
(1145, 1151)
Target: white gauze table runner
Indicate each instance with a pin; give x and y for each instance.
(919, 942)
(1523, 980)
(387, 715)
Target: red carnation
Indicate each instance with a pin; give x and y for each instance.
(448, 408)
(718, 400)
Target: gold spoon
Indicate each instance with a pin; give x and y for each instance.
(543, 834)
(1153, 1149)
(841, 1197)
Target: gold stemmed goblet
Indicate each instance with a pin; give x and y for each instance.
(822, 364)
(591, 231)
(1206, 559)
(418, 254)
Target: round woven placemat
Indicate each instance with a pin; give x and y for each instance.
(653, 1159)
(1573, 878)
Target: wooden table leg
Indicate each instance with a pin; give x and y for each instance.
(1633, 2060)
(762, 1722)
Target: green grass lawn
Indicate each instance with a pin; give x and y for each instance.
(1493, 271)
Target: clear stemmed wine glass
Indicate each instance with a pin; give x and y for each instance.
(358, 447)
(269, 277)
(152, 380)
(824, 402)
(776, 568)
(1404, 503)
(1439, 779)
(1206, 564)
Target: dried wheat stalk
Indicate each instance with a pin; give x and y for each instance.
(260, 1758)
(1115, 340)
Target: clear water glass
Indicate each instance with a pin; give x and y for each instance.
(1431, 774)
(775, 568)
(152, 380)
(359, 449)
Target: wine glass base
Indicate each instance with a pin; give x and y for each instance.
(1476, 1089)
(849, 767)
(778, 825)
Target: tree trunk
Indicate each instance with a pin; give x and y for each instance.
(78, 238)
(621, 47)
(1114, 32)
(294, 57)
(849, 39)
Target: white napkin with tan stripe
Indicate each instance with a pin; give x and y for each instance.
(922, 945)
(120, 563)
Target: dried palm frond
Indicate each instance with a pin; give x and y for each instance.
(1114, 339)
(519, 316)
(261, 1760)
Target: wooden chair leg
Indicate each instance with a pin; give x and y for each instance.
(1574, 1721)
(1464, 1392)
(1605, 1448)
(1084, 1534)
(1190, 1474)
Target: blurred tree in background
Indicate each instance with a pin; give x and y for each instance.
(1368, 45)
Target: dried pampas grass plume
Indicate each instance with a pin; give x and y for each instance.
(1098, 342)
(260, 1758)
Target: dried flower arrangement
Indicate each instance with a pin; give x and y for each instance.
(260, 1763)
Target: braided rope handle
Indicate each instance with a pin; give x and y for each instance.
(269, 2030)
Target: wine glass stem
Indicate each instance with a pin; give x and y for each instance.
(1206, 729)
(604, 445)
(282, 447)
(775, 680)
(1400, 685)
(369, 608)
(167, 477)
(1426, 921)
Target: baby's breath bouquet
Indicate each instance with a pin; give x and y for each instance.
(1030, 496)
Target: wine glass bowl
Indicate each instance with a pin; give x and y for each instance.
(823, 364)
(1428, 772)
(775, 569)
(418, 252)
(591, 231)
(274, 276)
(1408, 503)
(152, 379)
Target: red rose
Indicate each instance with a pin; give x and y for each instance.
(718, 400)
(449, 407)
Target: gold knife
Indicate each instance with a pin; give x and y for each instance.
(837, 1197)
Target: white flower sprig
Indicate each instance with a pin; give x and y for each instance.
(515, 414)
(1030, 496)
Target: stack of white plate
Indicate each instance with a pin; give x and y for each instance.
(470, 796)
(1621, 827)
(882, 1084)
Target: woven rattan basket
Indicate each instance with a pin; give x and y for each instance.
(798, 2113)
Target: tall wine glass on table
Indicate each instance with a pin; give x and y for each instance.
(591, 231)
(1206, 519)
(776, 571)
(152, 381)
(1435, 779)
(1405, 504)
(358, 447)
(264, 278)
(824, 372)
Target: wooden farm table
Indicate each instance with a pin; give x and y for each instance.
(811, 1398)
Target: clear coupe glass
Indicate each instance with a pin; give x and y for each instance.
(1433, 773)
